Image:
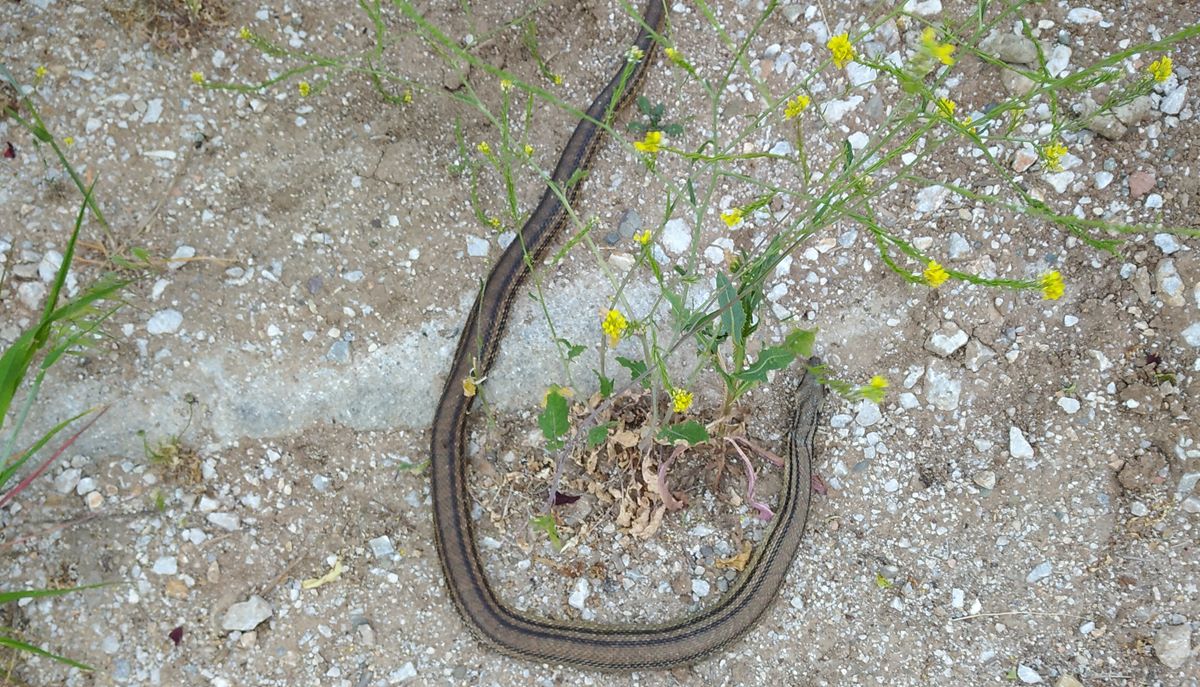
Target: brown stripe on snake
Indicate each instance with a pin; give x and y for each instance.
(596, 646)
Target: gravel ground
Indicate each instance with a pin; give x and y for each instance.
(1022, 507)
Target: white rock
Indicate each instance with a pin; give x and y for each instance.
(700, 587)
(676, 237)
(31, 294)
(165, 322)
(1192, 335)
(48, 266)
(1069, 405)
(477, 247)
(868, 413)
(958, 246)
(226, 521)
(1154, 201)
(180, 257)
(977, 355)
(167, 565)
(381, 546)
(940, 389)
(931, 198)
(858, 140)
(908, 400)
(1059, 60)
(65, 482)
(924, 8)
(1172, 645)
(405, 672)
(1059, 180)
(1084, 15)
(1167, 243)
(860, 74)
(832, 111)
(958, 598)
(85, 486)
(985, 479)
(1102, 180)
(1018, 446)
(1028, 675)
(247, 615)
(154, 108)
(1173, 102)
(1170, 285)
(946, 340)
(579, 594)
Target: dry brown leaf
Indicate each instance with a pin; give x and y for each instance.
(626, 439)
(736, 562)
(653, 522)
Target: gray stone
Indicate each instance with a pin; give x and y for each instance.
(1069, 405)
(631, 224)
(1169, 284)
(1172, 645)
(167, 565)
(1040, 572)
(165, 322)
(66, 481)
(700, 588)
(1192, 335)
(946, 340)
(985, 479)
(977, 355)
(941, 389)
(1134, 112)
(1018, 446)
(477, 247)
(1028, 675)
(180, 257)
(924, 8)
(1173, 102)
(402, 674)
(381, 546)
(339, 352)
(1059, 181)
(931, 198)
(1083, 15)
(1011, 48)
(31, 294)
(868, 413)
(1015, 83)
(247, 615)
(579, 594)
(1058, 60)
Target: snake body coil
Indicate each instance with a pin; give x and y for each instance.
(591, 645)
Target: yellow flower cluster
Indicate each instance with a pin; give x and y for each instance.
(935, 275)
(642, 237)
(843, 51)
(651, 143)
(1053, 153)
(1052, 285)
(947, 107)
(483, 147)
(732, 217)
(304, 89)
(634, 54)
(681, 400)
(795, 106)
(614, 325)
(879, 382)
(942, 52)
(1160, 69)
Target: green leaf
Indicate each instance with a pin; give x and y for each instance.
(599, 434)
(22, 646)
(882, 582)
(9, 597)
(415, 467)
(800, 341)
(573, 350)
(553, 419)
(771, 358)
(848, 153)
(733, 317)
(691, 432)
(637, 368)
(606, 385)
(546, 524)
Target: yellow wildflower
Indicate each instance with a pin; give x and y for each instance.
(39, 73)
(197, 78)
(732, 217)
(1160, 69)
(1053, 152)
(795, 106)
(494, 222)
(304, 89)
(935, 275)
(642, 237)
(244, 33)
(470, 386)
(947, 107)
(528, 150)
(69, 140)
(614, 325)
(634, 54)
(843, 51)
(557, 79)
(483, 147)
(651, 143)
(879, 382)
(506, 85)
(1052, 285)
(408, 96)
(940, 51)
(681, 400)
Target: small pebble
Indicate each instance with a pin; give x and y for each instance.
(247, 615)
(1028, 675)
(579, 594)
(1172, 644)
(165, 322)
(166, 565)
(1069, 405)
(1039, 573)
(1018, 446)
(381, 546)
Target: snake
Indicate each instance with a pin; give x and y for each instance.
(579, 644)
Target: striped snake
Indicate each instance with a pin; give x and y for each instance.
(606, 647)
